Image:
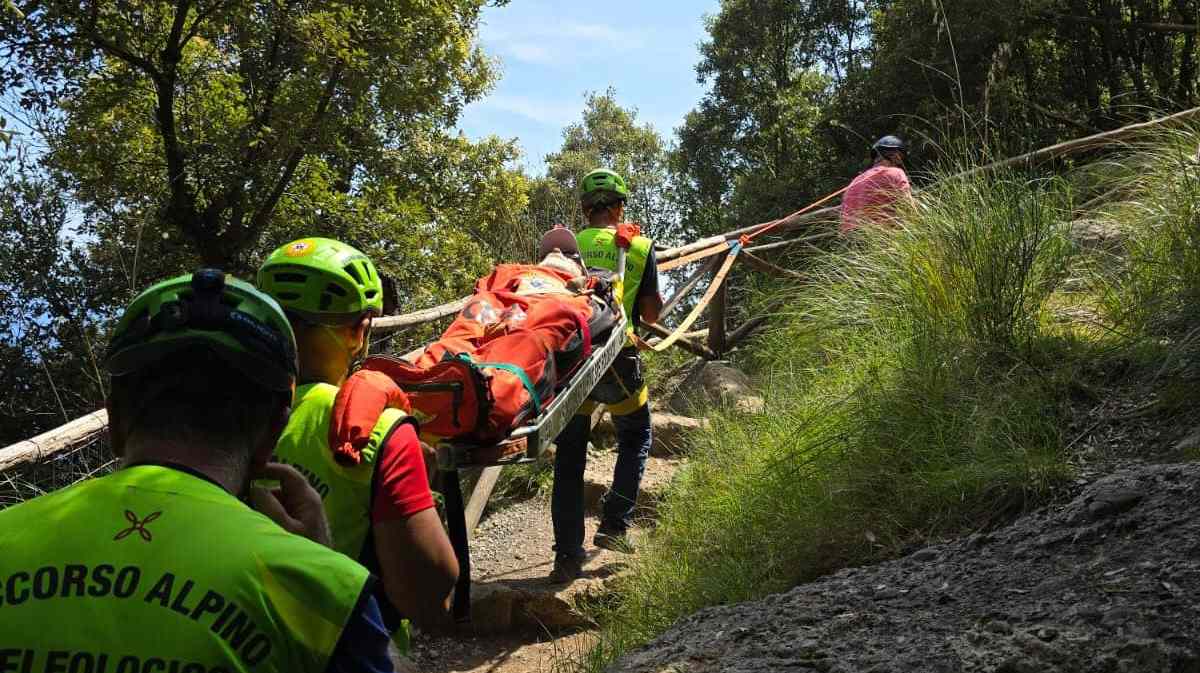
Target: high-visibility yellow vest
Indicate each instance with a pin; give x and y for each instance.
(345, 490)
(599, 250)
(153, 568)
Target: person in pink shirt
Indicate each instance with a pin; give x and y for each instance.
(872, 195)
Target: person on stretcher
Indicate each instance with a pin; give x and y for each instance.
(524, 331)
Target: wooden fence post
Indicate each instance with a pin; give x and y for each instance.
(716, 319)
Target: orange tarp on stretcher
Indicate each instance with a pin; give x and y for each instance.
(501, 361)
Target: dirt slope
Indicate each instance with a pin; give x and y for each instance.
(1107, 582)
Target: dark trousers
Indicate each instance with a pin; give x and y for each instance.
(566, 501)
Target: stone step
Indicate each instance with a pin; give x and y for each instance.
(515, 605)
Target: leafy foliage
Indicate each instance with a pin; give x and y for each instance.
(43, 306)
(749, 151)
(202, 114)
(608, 136)
(799, 90)
(174, 134)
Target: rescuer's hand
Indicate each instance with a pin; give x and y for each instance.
(295, 505)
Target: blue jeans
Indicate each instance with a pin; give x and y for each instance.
(566, 500)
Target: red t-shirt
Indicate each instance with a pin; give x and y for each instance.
(872, 195)
(401, 483)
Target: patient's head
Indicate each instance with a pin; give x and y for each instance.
(557, 259)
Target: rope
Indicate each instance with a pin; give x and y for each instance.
(707, 252)
(734, 248)
(746, 238)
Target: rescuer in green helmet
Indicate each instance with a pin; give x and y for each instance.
(603, 194)
(162, 564)
(376, 493)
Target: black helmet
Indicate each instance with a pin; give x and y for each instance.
(889, 144)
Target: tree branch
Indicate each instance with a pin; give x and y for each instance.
(113, 49)
(1149, 26)
(298, 152)
(201, 17)
(173, 52)
(182, 207)
(1058, 116)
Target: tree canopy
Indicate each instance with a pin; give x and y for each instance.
(208, 114)
(798, 90)
(157, 136)
(607, 136)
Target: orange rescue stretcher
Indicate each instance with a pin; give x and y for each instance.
(502, 421)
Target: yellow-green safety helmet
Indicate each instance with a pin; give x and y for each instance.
(322, 281)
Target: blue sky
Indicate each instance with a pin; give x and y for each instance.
(552, 52)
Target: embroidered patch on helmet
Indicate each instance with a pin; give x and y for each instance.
(299, 249)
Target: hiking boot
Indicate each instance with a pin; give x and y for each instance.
(566, 569)
(613, 540)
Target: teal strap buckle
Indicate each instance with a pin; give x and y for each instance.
(515, 370)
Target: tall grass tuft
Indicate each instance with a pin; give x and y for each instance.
(1154, 287)
(914, 390)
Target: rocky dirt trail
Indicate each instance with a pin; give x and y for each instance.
(520, 621)
(1109, 582)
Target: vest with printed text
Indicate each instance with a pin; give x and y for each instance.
(345, 490)
(153, 568)
(598, 250)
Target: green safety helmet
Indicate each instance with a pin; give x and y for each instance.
(322, 281)
(209, 309)
(602, 187)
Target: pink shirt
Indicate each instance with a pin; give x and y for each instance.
(873, 194)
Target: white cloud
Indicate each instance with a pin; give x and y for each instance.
(592, 32)
(531, 53)
(549, 112)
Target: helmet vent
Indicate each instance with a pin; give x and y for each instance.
(290, 278)
(289, 296)
(335, 289)
(353, 271)
(370, 294)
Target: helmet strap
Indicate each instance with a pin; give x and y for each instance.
(356, 361)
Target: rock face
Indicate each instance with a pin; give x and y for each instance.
(715, 383)
(502, 607)
(1108, 582)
